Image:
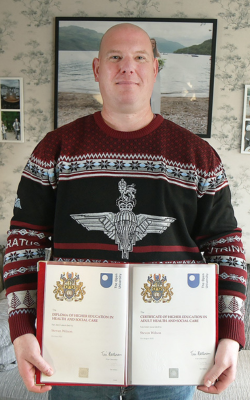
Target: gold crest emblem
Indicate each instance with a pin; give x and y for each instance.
(157, 289)
(69, 288)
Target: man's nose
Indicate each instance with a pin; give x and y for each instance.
(127, 66)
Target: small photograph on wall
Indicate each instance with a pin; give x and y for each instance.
(11, 110)
(245, 142)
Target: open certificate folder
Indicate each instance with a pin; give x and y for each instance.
(122, 324)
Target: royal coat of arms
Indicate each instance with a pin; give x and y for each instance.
(157, 290)
(69, 288)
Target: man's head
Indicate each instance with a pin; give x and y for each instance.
(125, 69)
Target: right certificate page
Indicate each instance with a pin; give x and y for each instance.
(174, 318)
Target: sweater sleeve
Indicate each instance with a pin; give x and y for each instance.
(30, 234)
(219, 239)
(227, 251)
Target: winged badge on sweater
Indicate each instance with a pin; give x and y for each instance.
(124, 227)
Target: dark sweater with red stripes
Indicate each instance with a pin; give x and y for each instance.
(156, 195)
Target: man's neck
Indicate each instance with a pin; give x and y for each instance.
(127, 122)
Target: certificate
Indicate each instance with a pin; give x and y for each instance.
(123, 324)
(173, 341)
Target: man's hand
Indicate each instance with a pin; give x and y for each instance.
(28, 357)
(223, 373)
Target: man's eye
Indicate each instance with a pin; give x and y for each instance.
(115, 57)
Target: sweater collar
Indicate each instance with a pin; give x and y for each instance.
(154, 124)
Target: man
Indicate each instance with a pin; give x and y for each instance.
(16, 126)
(247, 137)
(82, 167)
(4, 130)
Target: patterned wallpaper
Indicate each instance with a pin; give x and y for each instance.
(27, 50)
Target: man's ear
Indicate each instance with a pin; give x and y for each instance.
(156, 67)
(95, 67)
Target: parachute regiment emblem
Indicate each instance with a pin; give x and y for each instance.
(69, 288)
(157, 290)
(125, 227)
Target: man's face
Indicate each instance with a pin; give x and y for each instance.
(126, 69)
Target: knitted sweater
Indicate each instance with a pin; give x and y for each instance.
(157, 195)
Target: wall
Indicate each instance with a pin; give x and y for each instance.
(27, 50)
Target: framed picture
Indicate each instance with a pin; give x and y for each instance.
(11, 114)
(183, 91)
(245, 140)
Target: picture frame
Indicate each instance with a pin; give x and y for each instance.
(11, 110)
(245, 138)
(186, 54)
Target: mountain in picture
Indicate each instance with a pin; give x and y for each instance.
(166, 46)
(78, 39)
(82, 39)
(204, 48)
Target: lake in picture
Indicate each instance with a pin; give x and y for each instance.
(183, 75)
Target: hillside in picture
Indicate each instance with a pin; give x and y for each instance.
(166, 46)
(204, 49)
(75, 38)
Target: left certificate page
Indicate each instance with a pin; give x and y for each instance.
(82, 322)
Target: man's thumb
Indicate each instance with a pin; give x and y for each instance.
(212, 376)
(49, 371)
(44, 367)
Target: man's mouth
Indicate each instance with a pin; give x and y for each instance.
(126, 83)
